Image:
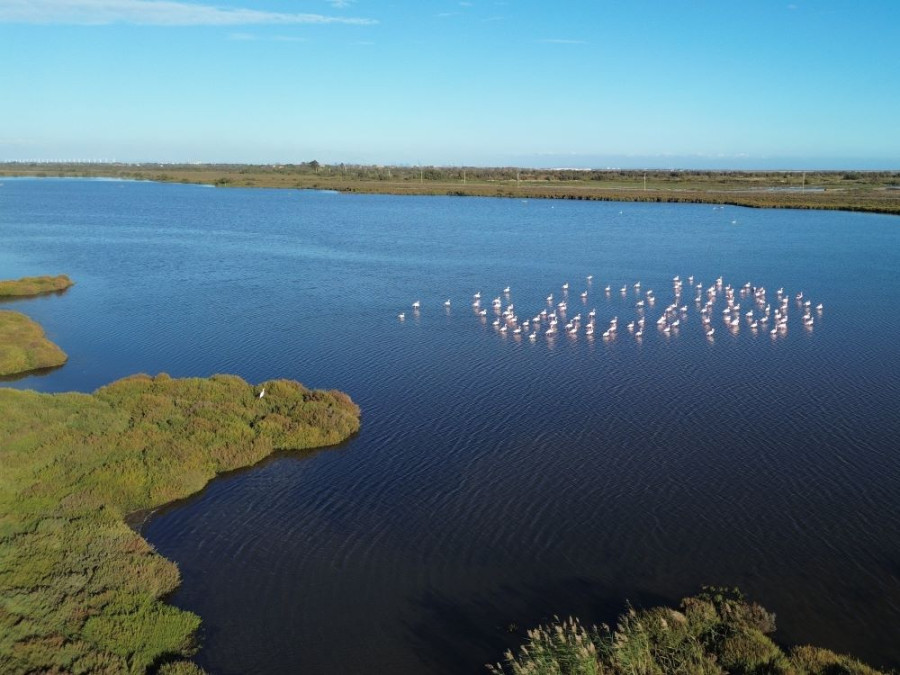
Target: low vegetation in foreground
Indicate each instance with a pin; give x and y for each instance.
(24, 347)
(29, 286)
(79, 590)
(715, 632)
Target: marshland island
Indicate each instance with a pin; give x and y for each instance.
(27, 287)
(23, 346)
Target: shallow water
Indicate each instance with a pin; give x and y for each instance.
(495, 481)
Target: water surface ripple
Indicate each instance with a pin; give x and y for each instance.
(495, 481)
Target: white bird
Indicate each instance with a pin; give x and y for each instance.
(416, 304)
(401, 316)
(447, 303)
(506, 290)
(262, 393)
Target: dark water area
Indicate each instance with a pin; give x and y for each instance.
(496, 480)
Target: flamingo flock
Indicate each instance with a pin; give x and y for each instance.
(747, 307)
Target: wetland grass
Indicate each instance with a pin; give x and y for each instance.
(79, 590)
(24, 347)
(31, 286)
(870, 191)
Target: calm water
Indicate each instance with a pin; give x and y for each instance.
(495, 481)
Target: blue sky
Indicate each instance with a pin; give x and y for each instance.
(630, 83)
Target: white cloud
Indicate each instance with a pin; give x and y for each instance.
(340, 4)
(151, 13)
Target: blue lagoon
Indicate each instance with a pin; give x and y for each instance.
(498, 480)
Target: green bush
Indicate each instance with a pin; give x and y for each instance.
(717, 632)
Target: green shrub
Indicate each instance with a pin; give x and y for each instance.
(718, 632)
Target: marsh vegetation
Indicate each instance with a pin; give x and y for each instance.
(79, 590)
(24, 347)
(872, 191)
(31, 286)
(716, 632)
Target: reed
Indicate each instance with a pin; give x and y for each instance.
(715, 632)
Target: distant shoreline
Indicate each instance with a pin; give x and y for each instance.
(860, 191)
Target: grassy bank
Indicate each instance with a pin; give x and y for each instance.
(79, 590)
(24, 347)
(873, 191)
(716, 632)
(30, 286)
